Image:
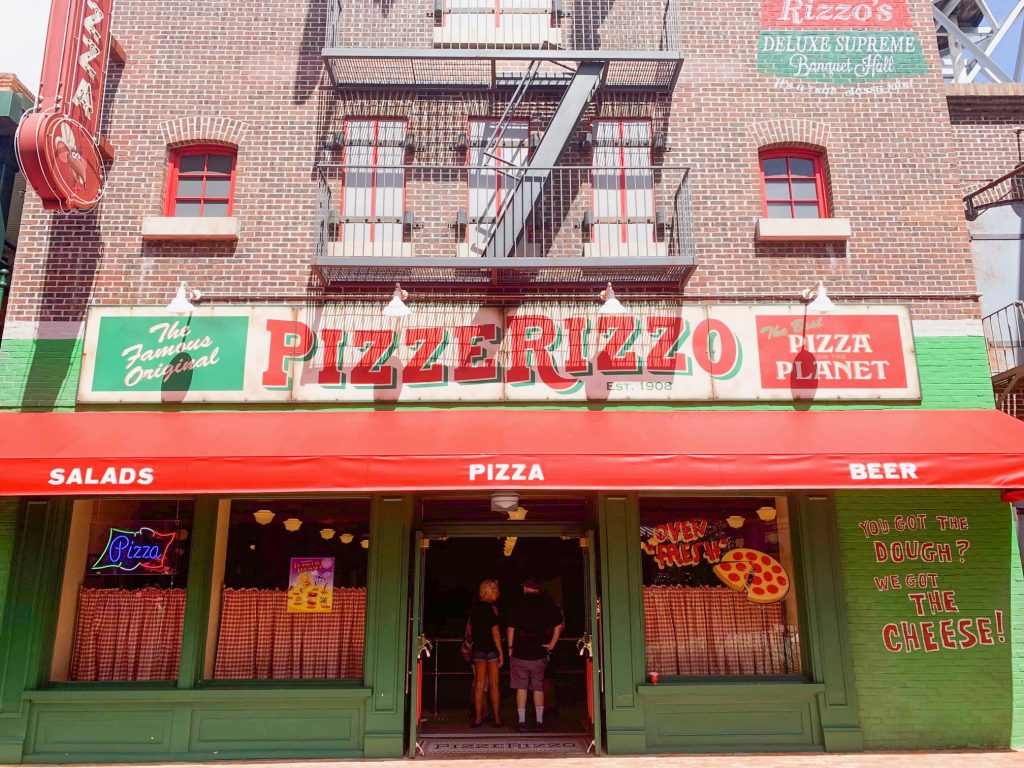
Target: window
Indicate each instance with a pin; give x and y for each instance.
(373, 197)
(623, 187)
(497, 22)
(718, 591)
(202, 182)
(122, 605)
(491, 179)
(793, 185)
(291, 603)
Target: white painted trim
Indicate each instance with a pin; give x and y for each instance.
(35, 329)
(948, 328)
(802, 230)
(190, 228)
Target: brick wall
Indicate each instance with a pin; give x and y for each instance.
(946, 697)
(891, 159)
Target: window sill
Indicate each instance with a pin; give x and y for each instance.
(802, 230)
(215, 228)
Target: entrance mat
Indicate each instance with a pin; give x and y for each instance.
(525, 744)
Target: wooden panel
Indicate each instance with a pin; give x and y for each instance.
(306, 727)
(103, 730)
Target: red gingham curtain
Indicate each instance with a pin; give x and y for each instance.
(706, 631)
(260, 640)
(126, 634)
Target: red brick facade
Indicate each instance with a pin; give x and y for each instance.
(250, 75)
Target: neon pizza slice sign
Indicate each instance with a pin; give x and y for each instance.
(143, 551)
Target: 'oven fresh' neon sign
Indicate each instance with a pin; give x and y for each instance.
(143, 551)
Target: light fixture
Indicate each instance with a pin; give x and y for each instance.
(510, 544)
(182, 304)
(611, 306)
(818, 298)
(327, 533)
(766, 513)
(346, 538)
(397, 306)
(264, 516)
(735, 521)
(519, 513)
(504, 501)
(292, 524)
(365, 543)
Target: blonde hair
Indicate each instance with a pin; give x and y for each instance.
(488, 590)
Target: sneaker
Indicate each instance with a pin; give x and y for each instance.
(538, 727)
(521, 727)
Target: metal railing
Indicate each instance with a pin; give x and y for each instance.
(420, 213)
(1004, 336)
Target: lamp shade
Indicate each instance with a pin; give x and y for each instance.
(611, 306)
(397, 306)
(292, 524)
(767, 513)
(346, 538)
(365, 543)
(327, 533)
(180, 305)
(264, 516)
(735, 521)
(822, 303)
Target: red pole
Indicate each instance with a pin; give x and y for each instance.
(419, 689)
(590, 689)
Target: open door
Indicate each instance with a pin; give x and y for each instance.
(590, 643)
(419, 648)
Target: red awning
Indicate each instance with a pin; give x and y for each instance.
(323, 452)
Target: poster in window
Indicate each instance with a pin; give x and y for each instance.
(311, 585)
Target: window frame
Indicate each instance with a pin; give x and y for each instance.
(818, 158)
(174, 176)
(623, 183)
(375, 165)
(528, 122)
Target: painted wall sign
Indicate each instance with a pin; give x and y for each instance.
(684, 543)
(350, 353)
(919, 560)
(57, 143)
(311, 585)
(143, 552)
(838, 45)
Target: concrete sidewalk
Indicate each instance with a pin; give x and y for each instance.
(959, 759)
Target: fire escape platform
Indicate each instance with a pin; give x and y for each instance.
(495, 68)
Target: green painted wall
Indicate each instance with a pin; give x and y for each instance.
(946, 697)
(8, 526)
(43, 375)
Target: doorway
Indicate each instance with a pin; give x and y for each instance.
(449, 573)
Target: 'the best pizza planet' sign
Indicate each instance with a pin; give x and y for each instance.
(351, 353)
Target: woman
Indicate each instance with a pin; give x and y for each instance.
(488, 657)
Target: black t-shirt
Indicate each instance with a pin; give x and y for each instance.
(534, 617)
(482, 618)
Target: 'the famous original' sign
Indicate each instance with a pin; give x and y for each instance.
(350, 353)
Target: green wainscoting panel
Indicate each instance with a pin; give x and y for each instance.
(726, 717)
(387, 624)
(99, 730)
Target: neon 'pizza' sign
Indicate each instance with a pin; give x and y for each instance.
(143, 551)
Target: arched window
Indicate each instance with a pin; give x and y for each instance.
(201, 181)
(793, 184)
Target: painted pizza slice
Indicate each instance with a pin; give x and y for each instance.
(766, 581)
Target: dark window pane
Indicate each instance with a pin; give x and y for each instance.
(806, 210)
(776, 190)
(190, 188)
(802, 190)
(186, 209)
(775, 166)
(219, 164)
(192, 163)
(800, 167)
(220, 188)
(779, 211)
(215, 209)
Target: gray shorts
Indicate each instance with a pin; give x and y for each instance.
(527, 674)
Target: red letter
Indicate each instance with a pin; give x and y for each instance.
(427, 344)
(669, 333)
(333, 340)
(576, 362)
(928, 636)
(377, 347)
(964, 625)
(890, 633)
(710, 334)
(984, 631)
(946, 634)
(532, 338)
(623, 332)
(475, 366)
(289, 340)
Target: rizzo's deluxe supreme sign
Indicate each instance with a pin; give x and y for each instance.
(57, 143)
(350, 353)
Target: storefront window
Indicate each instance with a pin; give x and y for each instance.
(292, 602)
(123, 598)
(719, 597)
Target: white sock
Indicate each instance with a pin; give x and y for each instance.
(522, 715)
(540, 714)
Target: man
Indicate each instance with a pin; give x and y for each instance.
(534, 627)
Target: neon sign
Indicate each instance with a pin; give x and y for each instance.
(143, 551)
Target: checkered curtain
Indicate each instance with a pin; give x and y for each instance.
(708, 631)
(260, 640)
(125, 634)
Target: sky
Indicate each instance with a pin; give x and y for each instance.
(25, 29)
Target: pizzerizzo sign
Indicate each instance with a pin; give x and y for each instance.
(350, 353)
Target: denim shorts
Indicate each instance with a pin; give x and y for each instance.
(485, 655)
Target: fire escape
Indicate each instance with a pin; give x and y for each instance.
(539, 228)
